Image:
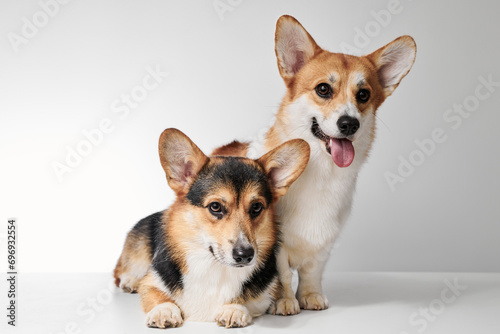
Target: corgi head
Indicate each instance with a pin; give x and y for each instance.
(225, 205)
(332, 98)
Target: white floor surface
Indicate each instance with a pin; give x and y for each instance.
(386, 303)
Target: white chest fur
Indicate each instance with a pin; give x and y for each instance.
(316, 206)
(208, 285)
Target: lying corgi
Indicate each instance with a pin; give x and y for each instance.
(331, 102)
(212, 254)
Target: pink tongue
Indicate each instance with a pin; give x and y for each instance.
(342, 151)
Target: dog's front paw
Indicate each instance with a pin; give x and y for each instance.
(129, 283)
(285, 306)
(164, 315)
(313, 301)
(233, 315)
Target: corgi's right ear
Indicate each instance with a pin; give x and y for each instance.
(294, 47)
(180, 158)
(284, 164)
(393, 62)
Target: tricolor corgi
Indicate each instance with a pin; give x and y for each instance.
(331, 102)
(211, 256)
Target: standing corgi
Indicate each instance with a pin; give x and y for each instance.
(331, 102)
(211, 256)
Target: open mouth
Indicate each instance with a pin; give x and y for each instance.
(340, 149)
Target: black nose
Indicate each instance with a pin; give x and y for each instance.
(242, 254)
(348, 125)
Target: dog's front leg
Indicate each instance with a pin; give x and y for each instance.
(161, 311)
(233, 315)
(309, 292)
(287, 304)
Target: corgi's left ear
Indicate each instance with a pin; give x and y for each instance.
(294, 47)
(393, 62)
(180, 158)
(285, 164)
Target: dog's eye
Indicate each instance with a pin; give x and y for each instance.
(215, 208)
(256, 209)
(324, 90)
(363, 95)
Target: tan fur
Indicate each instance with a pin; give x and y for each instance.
(313, 73)
(226, 230)
(318, 204)
(118, 270)
(151, 296)
(342, 67)
(276, 291)
(303, 66)
(180, 152)
(234, 149)
(136, 253)
(187, 227)
(275, 159)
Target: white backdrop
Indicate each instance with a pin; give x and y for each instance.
(71, 67)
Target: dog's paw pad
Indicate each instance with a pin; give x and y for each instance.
(313, 301)
(286, 306)
(164, 315)
(233, 315)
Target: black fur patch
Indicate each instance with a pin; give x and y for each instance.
(145, 228)
(164, 265)
(232, 173)
(262, 277)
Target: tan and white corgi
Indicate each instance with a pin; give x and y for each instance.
(211, 256)
(331, 102)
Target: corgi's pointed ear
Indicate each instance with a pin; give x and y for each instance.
(284, 164)
(393, 62)
(180, 158)
(294, 46)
